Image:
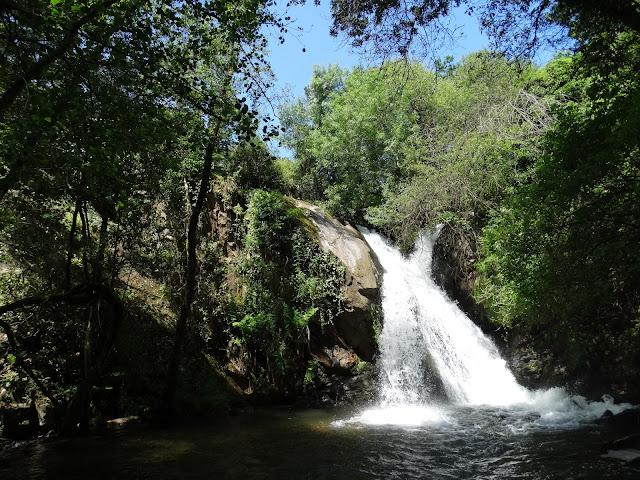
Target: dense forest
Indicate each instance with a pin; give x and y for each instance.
(153, 259)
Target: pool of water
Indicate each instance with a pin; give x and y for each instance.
(280, 443)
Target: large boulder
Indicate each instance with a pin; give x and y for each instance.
(352, 335)
(627, 421)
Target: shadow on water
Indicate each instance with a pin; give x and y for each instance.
(319, 444)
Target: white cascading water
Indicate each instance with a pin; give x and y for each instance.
(418, 317)
(433, 357)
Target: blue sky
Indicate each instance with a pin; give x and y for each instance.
(293, 67)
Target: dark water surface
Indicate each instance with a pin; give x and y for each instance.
(308, 444)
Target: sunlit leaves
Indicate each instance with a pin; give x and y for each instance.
(563, 249)
(346, 133)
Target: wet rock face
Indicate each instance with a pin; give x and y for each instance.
(352, 334)
(336, 390)
(454, 257)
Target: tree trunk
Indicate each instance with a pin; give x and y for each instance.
(84, 389)
(72, 233)
(84, 217)
(99, 261)
(190, 274)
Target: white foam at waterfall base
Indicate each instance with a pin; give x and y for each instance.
(404, 415)
(430, 348)
(556, 408)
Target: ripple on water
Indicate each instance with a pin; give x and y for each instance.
(439, 443)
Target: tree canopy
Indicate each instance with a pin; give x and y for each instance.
(517, 27)
(114, 117)
(397, 144)
(138, 193)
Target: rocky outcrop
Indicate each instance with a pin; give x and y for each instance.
(627, 421)
(328, 389)
(352, 336)
(454, 255)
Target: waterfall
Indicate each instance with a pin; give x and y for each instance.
(433, 358)
(428, 340)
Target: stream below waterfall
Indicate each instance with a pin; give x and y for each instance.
(448, 408)
(278, 443)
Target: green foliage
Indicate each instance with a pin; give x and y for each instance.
(346, 156)
(561, 254)
(403, 147)
(275, 332)
(310, 374)
(268, 223)
(317, 278)
(286, 174)
(324, 83)
(301, 118)
(107, 110)
(478, 137)
(289, 283)
(252, 167)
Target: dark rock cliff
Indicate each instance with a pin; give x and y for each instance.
(454, 257)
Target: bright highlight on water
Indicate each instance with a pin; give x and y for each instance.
(434, 359)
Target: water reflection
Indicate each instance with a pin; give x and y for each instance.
(319, 444)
